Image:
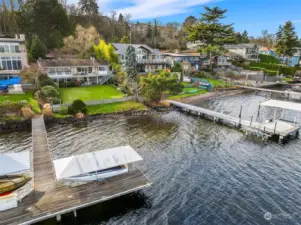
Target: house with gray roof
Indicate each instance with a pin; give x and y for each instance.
(249, 52)
(82, 71)
(148, 59)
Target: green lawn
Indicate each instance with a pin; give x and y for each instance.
(28, 96)
(187, 95)
(218, 83)
(115, 107)
(68, 95)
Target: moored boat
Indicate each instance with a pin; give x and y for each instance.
(11, 183)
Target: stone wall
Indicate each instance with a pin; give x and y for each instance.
(12, 125)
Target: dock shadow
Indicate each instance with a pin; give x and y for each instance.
(103, 212)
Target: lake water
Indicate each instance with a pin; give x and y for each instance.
(202, 172)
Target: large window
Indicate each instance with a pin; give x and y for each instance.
(9, 47)
(10, 63)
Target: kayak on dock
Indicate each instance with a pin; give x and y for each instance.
(11, 183)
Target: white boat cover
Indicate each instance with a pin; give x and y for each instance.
(283, 105)
(11, 163)
(94, 161)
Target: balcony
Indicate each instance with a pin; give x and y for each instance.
(76, 75)
(151, 61)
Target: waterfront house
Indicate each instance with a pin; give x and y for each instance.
(221, 61)
(13, 56)
(83, 71)
(248, 52)
(148, 59)
(193, 58)
(267, 51)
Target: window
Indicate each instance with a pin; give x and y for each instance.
(51, 70)
(67, 70)
(90, 69)
(2, 49)
(102, 68)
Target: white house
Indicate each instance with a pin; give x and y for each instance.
(247, 51)
(84, 71)
(148, 59)
(13, 56)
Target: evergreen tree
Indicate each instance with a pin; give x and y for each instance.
(245, 37)
(131, 69)
(46, 18)
(189, 21)
(89, 7)
(212, 33)
(286, 39)
(37, 49)
(149, 31)
(120, 19)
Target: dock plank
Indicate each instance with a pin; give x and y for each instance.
(50, 198)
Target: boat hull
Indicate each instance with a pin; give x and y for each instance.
(99, 175)
(12, 182)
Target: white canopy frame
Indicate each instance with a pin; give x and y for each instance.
(284, 105)
(13, 163)
(94, 161)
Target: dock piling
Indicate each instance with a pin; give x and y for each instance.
(58, 218)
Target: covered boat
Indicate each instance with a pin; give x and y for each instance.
(12, 182)
(96, 165)
(11, 166)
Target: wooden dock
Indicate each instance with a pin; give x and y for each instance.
(50, 199)
(265, 130)
(288, 94)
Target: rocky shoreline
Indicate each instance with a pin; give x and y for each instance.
(25, 125)
(15, 125)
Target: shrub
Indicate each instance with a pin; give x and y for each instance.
(50, 92)
(77, 106)
(10, 107)
(63, 110)
(48, 82)
(268, 59)
(176, 67)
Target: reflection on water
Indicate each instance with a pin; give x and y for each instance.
(15, 142)
(202, 172)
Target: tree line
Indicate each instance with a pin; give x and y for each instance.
(48, 24)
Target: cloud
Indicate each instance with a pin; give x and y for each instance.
(146, 9)
(296, 21)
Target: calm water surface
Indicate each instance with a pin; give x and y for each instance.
(202, 173)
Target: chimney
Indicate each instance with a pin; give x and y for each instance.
(22, 37)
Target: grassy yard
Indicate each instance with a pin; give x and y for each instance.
(187, 95)
(115, 107)
(28, 96)
(68, 95)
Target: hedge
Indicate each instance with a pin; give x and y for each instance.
(268, 59)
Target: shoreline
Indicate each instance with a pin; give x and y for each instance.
(19, 126)
(211, 95)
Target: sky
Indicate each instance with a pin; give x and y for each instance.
(251, 15)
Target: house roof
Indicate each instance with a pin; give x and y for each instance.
(121, 48)
(68, 62)
(240, 46)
